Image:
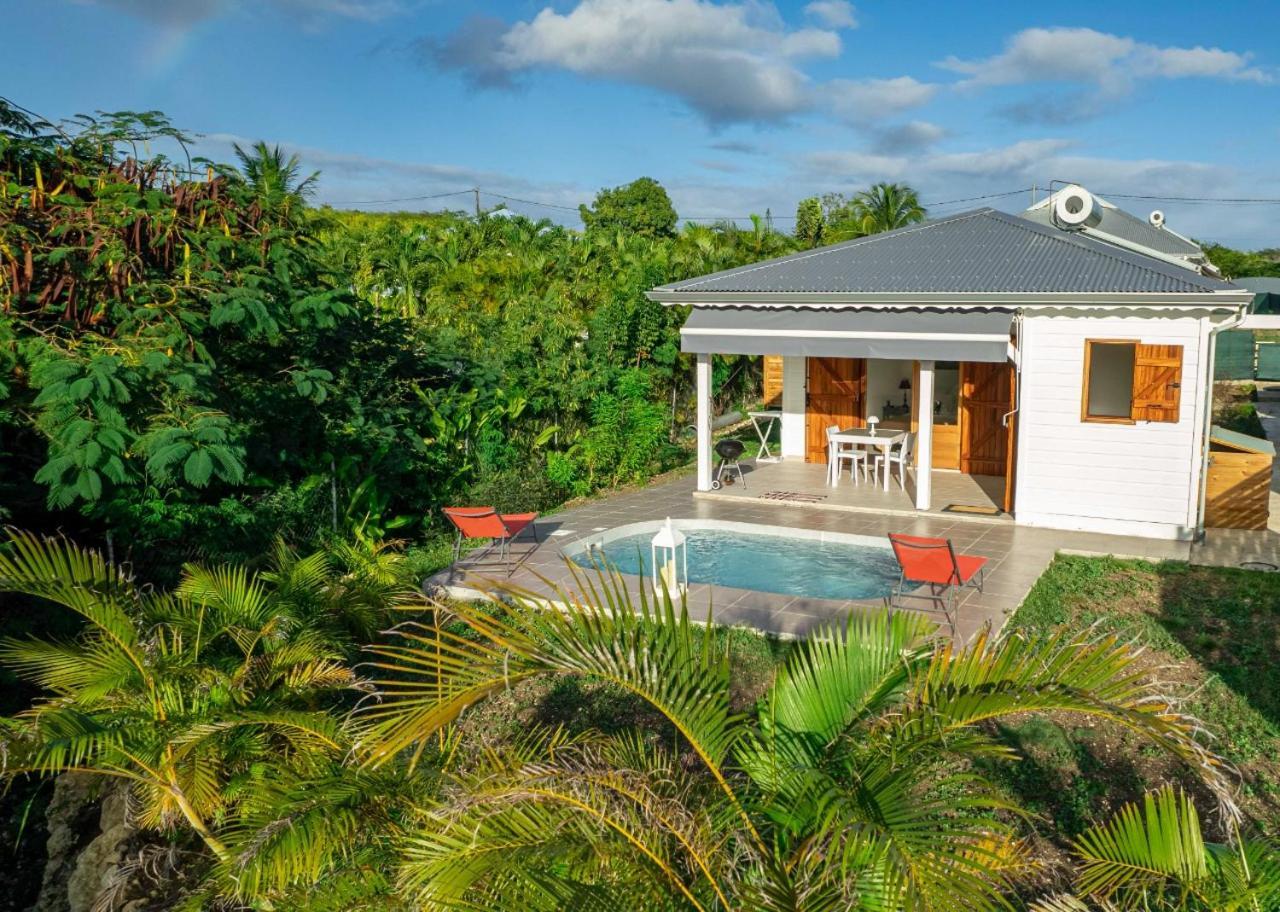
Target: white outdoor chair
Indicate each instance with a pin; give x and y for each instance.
(898, 456)
(845, 452)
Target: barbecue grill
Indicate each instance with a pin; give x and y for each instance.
(729, 451)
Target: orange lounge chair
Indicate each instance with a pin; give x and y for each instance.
(485, 522)
(933, 562)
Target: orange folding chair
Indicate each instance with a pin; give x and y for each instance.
(933, 562)
(473, 523)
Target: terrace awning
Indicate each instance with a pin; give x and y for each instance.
(952, 335)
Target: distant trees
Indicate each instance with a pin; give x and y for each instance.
(884, 207)
(641, 207)
(811, 222)
(276, 178)
(1238, 263)
(837, 217)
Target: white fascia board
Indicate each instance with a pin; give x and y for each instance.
(953, 300)
(846, 334)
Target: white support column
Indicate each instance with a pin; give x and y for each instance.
(793, 417)
(703, 375)
(924, 436)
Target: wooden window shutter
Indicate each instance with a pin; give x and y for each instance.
(1157, 382)
(772, 376)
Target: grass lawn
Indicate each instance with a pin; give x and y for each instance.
(1212, 634)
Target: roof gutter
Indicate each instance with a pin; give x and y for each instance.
(1226, 298)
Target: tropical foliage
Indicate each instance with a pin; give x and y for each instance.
(237, 398)
(1154, 857)
(190, 353)
(849, 786)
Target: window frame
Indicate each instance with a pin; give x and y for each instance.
(1088, 374)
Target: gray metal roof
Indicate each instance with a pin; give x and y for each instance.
(983, 251)
(1259, 284)
(1130, 228)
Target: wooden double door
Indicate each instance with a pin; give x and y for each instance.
(837, 393)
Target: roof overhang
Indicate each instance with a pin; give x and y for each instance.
(916, 335)
(1229, 299)
(1260, 321)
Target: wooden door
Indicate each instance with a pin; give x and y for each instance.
(986, 396)
(835, 388)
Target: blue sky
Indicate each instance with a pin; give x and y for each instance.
(735, 107)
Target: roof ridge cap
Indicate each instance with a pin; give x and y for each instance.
(1070, 238)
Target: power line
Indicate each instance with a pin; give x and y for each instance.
(933, 206)
(974, 199)
(400, 199)
(516, 199)
(1194, 199)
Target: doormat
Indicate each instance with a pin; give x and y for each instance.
(793, 496)
(971, 509)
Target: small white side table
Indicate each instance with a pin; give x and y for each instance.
(769, 417)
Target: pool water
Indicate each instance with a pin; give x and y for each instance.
(765, 563)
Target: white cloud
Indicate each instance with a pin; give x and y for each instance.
(811, 42)
(1084, 55)
(729, 62)
(916, 134)
(865, 100)
(833, 13)
(1175, 63)
(1019, 158)
(854, 169)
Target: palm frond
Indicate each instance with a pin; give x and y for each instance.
(79, 579)
(1143, 847)
(1060, 672)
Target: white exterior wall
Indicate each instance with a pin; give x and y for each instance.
(1127, 479)
(793, 401)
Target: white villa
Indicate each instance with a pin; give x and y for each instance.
(1063, 358)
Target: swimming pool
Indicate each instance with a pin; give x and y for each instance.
(762, 558)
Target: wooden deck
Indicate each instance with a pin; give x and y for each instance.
(804, 484)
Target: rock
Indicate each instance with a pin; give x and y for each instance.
(95, 868)
(88, 831)
(72, 823)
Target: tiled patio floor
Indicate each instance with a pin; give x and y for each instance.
(810, 480)
(1017, 554)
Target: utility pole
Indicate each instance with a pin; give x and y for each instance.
(1033, 194)
(476, 191)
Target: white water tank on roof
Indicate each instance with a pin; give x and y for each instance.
(1075, 207)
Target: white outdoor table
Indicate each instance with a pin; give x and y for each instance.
(770, 417)
(862, 437)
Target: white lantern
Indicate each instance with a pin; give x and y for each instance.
(669, 554)
(872, 421)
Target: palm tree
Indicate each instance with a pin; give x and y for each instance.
(276, 179)
(885, 206)
(850, 787)
(1154, 858)
(184, 696)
